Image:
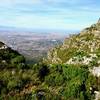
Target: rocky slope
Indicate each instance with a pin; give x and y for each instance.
(82, 48)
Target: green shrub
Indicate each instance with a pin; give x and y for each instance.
(18, 59)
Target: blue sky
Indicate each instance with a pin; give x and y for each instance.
(49, 14)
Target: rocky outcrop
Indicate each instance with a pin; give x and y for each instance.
(3, 47)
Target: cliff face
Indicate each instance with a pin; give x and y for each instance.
(82, 48)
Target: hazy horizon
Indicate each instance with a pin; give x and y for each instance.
(15, 29)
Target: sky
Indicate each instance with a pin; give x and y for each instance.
(49, 14)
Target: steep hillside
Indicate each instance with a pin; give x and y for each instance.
(82, 48)
(11, 66)
(80, 51)
(10, 58)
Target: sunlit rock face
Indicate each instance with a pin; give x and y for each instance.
(95, 71)
(3, 47)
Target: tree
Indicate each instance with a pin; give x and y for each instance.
(43, 71)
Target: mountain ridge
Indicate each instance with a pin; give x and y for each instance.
(88, 41)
